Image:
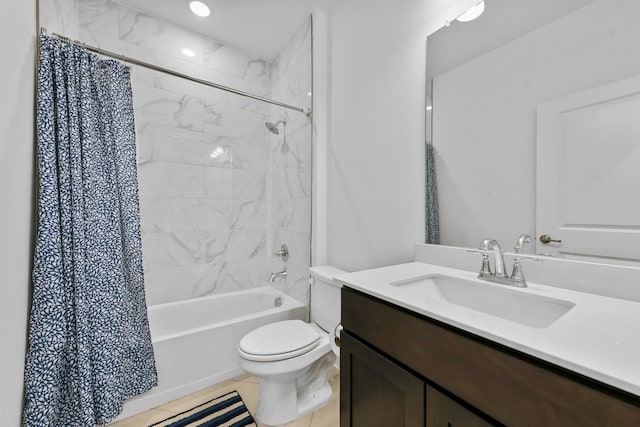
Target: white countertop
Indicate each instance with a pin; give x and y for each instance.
(599, 337)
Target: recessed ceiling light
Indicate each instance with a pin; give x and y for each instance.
(199, 8)
(472, 13)
(188, 52)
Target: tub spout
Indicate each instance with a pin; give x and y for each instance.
(273, 276)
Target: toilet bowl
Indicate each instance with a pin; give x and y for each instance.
(293, 358)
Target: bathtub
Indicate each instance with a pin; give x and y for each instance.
(195, 341)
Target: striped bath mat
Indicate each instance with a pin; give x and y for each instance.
(227, 410)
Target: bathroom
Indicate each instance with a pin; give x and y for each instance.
(367, 145)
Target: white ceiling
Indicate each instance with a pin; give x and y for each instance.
(502, 21)
(261, 27)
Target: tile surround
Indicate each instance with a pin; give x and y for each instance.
(217, 191)
(146, 31)
(60, 16)
(153, 105)
(101, 16)
(291, 164)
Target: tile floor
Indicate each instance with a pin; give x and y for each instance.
(247, 386)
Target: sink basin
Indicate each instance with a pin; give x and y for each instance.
(511, 304)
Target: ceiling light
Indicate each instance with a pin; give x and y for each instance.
(188, 52)
(472, 13)
(219, 151)
(199, 8)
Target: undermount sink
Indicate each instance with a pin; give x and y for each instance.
(511, 304)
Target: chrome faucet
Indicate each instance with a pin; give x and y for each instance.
(522, 239)
(488, 246)
(492, 245)
(273, 276)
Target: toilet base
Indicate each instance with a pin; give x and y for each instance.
(282, 399)
(314, 401)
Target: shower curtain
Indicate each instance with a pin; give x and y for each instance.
(432, 216)
(89, 341)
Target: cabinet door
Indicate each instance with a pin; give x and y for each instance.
(375, 392)
(445, 412)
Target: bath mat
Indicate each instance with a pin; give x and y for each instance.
(227, 410)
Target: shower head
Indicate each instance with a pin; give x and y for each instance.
(273, 127)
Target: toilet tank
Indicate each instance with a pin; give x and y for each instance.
(325, 297)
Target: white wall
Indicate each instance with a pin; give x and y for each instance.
(17, 32)
(485, 116)
(376, 142)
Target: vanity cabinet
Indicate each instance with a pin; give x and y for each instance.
(399, 368)
(443, 411)
(375, 391)
(379, 392)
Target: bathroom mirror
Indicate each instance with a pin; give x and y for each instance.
(533, 109)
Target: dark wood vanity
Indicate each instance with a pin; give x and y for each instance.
(399, 368)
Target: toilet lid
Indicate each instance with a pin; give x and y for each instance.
(288, 338)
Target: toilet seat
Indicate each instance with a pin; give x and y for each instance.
(279, 341)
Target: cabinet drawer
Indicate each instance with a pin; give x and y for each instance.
(514, 389)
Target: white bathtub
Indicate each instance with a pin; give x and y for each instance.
(195, 341)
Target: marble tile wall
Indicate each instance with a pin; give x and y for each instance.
(291, 163)
(218, 192)
(203, 155)
(60, 16)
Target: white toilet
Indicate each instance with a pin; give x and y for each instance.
(292, 358)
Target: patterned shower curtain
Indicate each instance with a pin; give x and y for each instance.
(89, 340)
(432, 215)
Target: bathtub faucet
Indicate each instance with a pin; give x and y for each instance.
(273, 276)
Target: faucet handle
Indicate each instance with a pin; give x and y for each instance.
(526, 257)
(516, 275)
(485, 270)
(479, 251)
(283, 253)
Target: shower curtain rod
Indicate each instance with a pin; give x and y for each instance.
(305, 111)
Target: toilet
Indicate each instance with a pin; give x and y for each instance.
(292, 358)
